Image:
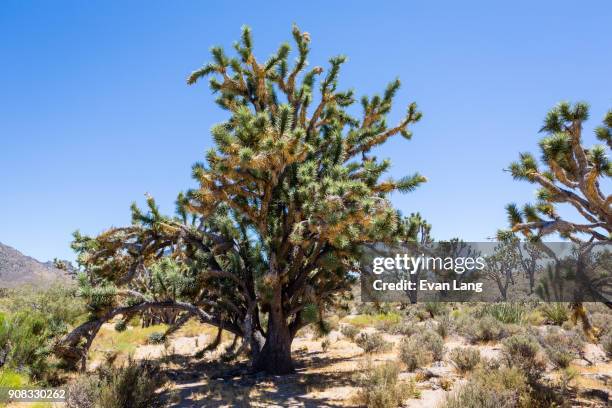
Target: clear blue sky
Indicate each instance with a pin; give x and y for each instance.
(94, 109)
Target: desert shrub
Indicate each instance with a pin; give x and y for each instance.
(385, 325)
(486, 328)
(327, 325)
(465, 359)
(524, 352)
(421, 349)
(535, 318)
(555, 313)
(83, 392)
(476, 395)
(603, 322)
(59, 303)
(405, 327)
(445, 326)
(349, 331)
(120, 325)
(413, 355)
(381, 388)
(606, 343)
(131, 386)
(420, 313)
(156, 338)
(435, 308)
(434, 343)
(325, 345)
(372, 343)
(34, 320)
(505, 312)
(562, 347)
(566, 376)
(25, 339)
(503, 388)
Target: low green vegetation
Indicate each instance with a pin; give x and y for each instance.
(373, 343)
(133, 385)
(421, 349)
(555, 313)
(349, 331)
(372, 320)
(505, 312)
(483, 329)
(492, 388)
(30, 323)
(380, 386)
(465, 359)
(562, 346)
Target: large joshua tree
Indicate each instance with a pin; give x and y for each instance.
(568, 174)
(269, 238)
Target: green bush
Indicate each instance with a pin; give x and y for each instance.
(476, 395)
(555, 313)
(156, 338)
(465, 359)
(505, 312)
(421, 349)
(524, 352)
(445, 326)
(120, 326)
(486, 328)
(435, 308)
(349, 331)
(130, 386)
(25, 339)
(33, 322)
(381, 388)
(373, 343)
(84, 392)
(405, 327)
(562, 347)
(503, 388)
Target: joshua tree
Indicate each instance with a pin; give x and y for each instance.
(568, 173)
(269, 238)
(414, 231)
(503, 263)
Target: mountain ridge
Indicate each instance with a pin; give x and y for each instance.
(18, 269)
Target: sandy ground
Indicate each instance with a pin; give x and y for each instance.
(322, 378)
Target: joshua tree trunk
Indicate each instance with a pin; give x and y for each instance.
(275, 356)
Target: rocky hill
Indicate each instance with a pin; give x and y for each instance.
(18, 269)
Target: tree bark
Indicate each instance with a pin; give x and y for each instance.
(275, 356)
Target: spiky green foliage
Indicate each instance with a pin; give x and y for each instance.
(284, 199)
(568, 173)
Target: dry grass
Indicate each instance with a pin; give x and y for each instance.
(366, 320)
(122, 343)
